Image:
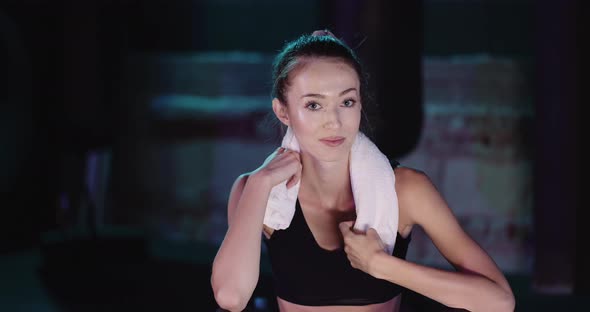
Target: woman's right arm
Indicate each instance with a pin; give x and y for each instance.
(237, 263)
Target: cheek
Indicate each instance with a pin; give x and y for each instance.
(305, 120)
(351, 118)
(301, 116)
(304, 125)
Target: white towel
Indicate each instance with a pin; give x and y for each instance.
(373, 189)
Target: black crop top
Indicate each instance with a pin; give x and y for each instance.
(304, 273)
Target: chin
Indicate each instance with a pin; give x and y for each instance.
(335, 155)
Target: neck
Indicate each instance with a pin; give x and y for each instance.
(326, 182)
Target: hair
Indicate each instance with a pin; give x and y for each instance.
(318, 44)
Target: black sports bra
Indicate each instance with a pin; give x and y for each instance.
(304, 273)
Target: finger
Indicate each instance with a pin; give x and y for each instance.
(345, 227)
(274, 155)
(290, 153)
(291, 182)
(284, 155)
(371, 232)
(297, 176)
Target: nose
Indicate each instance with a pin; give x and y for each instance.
(332, 119)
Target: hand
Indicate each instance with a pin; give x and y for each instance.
(360, 248)
(281, 165)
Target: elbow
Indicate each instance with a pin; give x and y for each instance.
(231, 292)
(501, 302)
(230, 300)
(227, 295)
(506, 303)
(509, 303)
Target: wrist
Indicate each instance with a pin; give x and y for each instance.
(259, 179)
(376, 264)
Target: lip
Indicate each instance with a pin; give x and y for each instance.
(333, 141)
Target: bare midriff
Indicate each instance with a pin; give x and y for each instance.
(388, 306)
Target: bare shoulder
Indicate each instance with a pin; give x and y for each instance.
(410, 180)
(414, 188)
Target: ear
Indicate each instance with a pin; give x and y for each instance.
(280, 111)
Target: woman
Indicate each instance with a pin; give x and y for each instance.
(319, 262)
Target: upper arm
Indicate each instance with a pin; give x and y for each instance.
(426, 207)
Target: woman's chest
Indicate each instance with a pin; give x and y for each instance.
(323, 225)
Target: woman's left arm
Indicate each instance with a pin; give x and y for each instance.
(476, 285)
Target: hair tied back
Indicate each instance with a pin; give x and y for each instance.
(323, 32)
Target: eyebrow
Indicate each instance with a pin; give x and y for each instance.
(317, 95)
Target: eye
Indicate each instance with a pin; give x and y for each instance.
(313, 106)
(349, 103)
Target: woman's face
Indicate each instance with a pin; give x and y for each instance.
(323, 107)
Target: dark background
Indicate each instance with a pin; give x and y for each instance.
(65, 91)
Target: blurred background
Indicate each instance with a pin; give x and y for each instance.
(124, 124)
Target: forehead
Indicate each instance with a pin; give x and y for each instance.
(323, 75)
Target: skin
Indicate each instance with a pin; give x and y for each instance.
(323, 100)
(319, 108)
